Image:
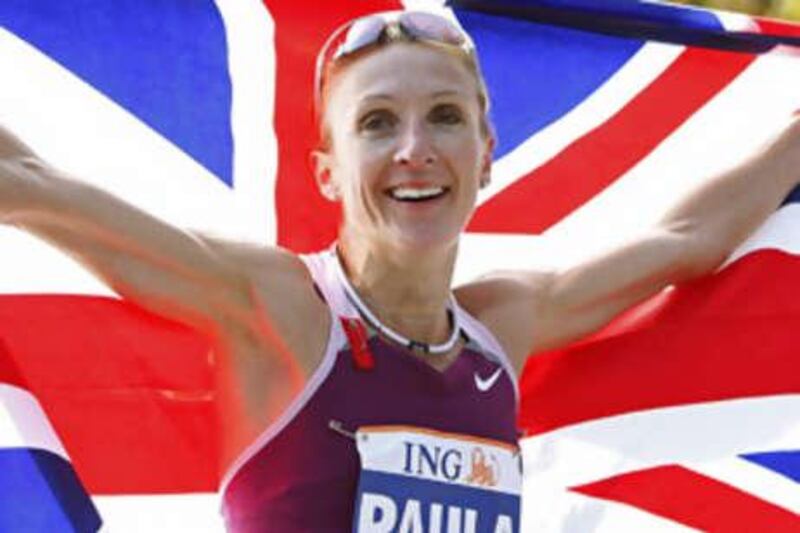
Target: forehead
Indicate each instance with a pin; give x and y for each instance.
(401, 70)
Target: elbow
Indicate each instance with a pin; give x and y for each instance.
(701, 263)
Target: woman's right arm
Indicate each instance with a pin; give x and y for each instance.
(175, 273)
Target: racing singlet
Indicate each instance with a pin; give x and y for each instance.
(380, 441)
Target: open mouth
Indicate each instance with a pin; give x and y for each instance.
(416, 194)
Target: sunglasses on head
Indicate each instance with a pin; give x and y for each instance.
(380, 28)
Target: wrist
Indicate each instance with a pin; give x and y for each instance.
(793, 148)
(8, 188)
(20, 178)
(783, 155)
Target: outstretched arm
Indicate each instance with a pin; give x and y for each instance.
(694, 238)
(176, 273)
(256, 303)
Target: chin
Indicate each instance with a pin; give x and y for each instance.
(426, 239)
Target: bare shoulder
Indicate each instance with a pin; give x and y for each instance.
(510, 304)
(285, 312)
(273, 346)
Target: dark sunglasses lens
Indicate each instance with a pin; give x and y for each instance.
(431, 27)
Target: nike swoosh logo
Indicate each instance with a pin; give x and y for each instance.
(486, 384)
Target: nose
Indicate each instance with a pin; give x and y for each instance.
(415, 149)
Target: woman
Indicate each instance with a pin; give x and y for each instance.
(364, 349)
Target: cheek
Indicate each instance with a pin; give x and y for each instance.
(467, 157)
(360, 181)
(368, 164)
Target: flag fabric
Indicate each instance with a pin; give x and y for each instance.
(39, 488)
(680, 415)
(693, 416)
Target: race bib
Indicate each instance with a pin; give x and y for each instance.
(415, 480)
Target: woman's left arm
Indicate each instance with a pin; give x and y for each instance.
(694, 238)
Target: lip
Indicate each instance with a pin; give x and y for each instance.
(417, 201)
(418, 185)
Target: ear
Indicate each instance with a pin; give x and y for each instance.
(486, 164)
(324, 176)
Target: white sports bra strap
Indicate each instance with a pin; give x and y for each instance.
(321, 267)
(484, 338)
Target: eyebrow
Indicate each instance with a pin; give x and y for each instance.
(437, 94)
(376, 96)
(447, 92)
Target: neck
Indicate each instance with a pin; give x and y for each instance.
(408, 290)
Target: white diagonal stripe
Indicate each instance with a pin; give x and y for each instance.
(691, 434)
(23, 424)
(639, 72)
(753, 479)
(250, 35)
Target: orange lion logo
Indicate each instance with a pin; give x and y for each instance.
(483, 472)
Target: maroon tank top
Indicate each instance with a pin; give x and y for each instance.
(301, 474)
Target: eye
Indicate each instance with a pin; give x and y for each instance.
(377, 121)
(448, 114)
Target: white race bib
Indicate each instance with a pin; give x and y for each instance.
(416, 480)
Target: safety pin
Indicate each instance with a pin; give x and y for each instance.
(339, 428)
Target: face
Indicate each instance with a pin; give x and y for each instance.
(407, 153)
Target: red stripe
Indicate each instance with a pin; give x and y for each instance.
(306, 221)
(129, 394)
(733, 335)
(594, 161)
(694, 500)
(9, 371)
(777, 27)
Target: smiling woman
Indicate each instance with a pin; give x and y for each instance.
(397, 136)
(405, 147)
(357, 389)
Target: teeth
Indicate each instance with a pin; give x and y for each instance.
(401, 193)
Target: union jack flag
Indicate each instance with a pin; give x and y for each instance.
(682, 414)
